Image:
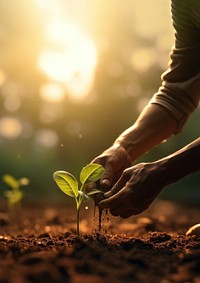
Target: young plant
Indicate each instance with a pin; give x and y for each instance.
(15, 194)
(69, 185)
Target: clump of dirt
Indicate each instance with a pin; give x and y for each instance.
(40, 245)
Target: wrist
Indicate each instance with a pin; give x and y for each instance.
(162, 170)
(126, 145)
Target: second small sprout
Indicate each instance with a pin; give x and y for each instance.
(15, 194)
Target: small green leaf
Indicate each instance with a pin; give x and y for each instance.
(11, 181)
(14, 196)
(91, 173)
(67, 183)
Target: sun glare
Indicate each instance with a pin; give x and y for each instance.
(2, 77)
(71, 58)
(52, 92)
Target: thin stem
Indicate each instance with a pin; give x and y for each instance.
(77, 221)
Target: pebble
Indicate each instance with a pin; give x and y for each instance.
(194, 230)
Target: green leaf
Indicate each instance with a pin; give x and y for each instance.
(11, 181)
(67, 183)
(91, 173)
(14, 196)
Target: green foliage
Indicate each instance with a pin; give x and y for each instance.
(15, 194)
(69, 184)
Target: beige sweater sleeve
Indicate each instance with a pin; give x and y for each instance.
(180, 90)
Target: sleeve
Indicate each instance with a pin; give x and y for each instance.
(180, 90)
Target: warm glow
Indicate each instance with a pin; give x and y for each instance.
(10, 128)
(50, 112)
(71, 59)
(52, 92)
(143, 58)
(48, 4)
(46, 138)
(12, 102)
(2, 77)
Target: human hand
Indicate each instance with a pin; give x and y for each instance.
(138, 186)
(115, 160)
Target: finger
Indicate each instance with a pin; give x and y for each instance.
(113, 201)
(122, 210)
(115, 189)
(107, 177)
(120, 204)
(121, 183)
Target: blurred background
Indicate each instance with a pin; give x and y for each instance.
(73, 75)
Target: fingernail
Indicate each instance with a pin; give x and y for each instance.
(105, 182)
(107, 195)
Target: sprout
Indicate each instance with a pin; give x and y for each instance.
(69, 184)
(15, 194)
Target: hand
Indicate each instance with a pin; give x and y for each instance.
(135, 190)
(114, 160)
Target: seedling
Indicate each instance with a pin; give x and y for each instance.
(69, 185)
(15, 194)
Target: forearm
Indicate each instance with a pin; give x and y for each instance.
(181, 163)
(153, 126)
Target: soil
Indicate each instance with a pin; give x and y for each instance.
(39, 244)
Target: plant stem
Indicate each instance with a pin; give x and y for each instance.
(77, 221)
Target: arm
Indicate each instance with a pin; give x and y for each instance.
(170, 107)
(140, 185)
(179, 94)
(147, 132)
(182, 163)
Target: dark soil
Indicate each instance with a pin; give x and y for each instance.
(40, 246)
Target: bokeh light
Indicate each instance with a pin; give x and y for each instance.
(143, 58)
(52, 92)
(10, 128)
(71, 60)
(46, 138)
(2, 77)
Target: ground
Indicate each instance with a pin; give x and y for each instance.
(39, 244)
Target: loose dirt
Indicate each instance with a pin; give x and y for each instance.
(39, 245)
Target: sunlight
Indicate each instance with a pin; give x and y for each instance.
(47, 4)
(52, 92)
(10, 128)
(71, 59)
(50, 112)
(12, 102)
(147, 20)
(2, 77)
(143, 58)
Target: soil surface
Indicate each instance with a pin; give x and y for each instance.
(39, 245)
